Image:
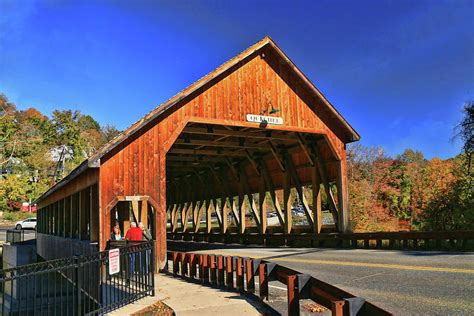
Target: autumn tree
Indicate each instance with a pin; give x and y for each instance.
(28, 143)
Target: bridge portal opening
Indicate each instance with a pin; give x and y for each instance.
(242, 180)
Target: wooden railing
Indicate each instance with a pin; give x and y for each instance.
(435, 240)
(221, 271)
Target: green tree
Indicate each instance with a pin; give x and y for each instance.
(465, 131)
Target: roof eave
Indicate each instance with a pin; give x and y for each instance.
(85, 165)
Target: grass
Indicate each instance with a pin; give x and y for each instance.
(17, 216)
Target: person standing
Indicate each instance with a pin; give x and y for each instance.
(133, 234)
(146, 237)
(116, 234)
(146, 233)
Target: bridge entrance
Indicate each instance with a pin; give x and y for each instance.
(234, 179)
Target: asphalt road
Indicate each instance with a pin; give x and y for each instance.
(403, 282)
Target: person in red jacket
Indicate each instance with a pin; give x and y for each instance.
(134, 233)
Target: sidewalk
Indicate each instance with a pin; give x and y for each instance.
(187, 298)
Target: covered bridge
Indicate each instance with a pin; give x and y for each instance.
(245, 141)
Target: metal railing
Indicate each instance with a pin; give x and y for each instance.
(15, 236)
(218, 270)
(435, 240)
(79, 285)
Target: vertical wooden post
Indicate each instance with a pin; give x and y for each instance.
(293, 296)
(198, 215)
(343, 196)
(224, 212)
(287, 201)
(263, 281)
(94, 214)
(229, 278)
(174, 217)
(241, 212)
(239, 278)
(249, 275)
(208, 216)
(316, 184)
(144, 213)
(262, 206)
(80, 215)
(184, 216)
(135, 209)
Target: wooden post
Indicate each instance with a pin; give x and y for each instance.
(135, 208)
(343, 197)
(144, 213)
(241, 212)
(316, 184)
(198, 215)
(175, 212)
(299, 188)
(245, 188)
(235, 210)
(208, 216)
(325, 181)
(262, 207)
(94, 217)
(271, 189)
(287, 202)
(224, 212)
(184, 216)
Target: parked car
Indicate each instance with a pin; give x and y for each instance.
(29, 223)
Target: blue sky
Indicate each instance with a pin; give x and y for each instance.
(398, 71)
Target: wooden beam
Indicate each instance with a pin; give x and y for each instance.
(271, 189)
(299, 188)
(184, 216)
(262, 206)
(208, 216)
(213, 152)
(135, 209)
(224, 212)
(197, 215)
(324, 179)
(252, 162)
(220, 132)
(343, 197)
(276, 156)
(316, 188)
(226, 194)
(207, 143)
(238, 208)
(187, 158)
(218, 212)
(246, 189)
(304, 147)
(144, 211)
(287, 202)
(176, 211)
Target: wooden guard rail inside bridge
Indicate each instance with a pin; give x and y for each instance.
(454, 240)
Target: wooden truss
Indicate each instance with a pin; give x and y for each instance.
(227, 175)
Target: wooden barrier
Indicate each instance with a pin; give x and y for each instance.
(436, 240)
(299, 285)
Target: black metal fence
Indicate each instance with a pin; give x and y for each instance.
(79, 285)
